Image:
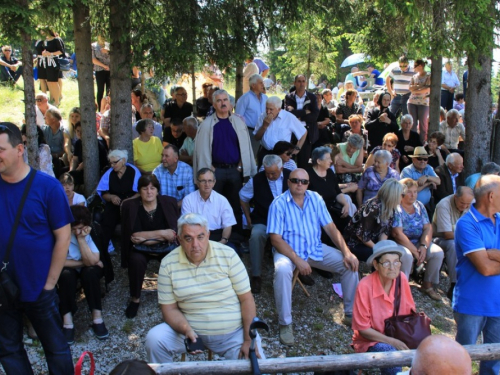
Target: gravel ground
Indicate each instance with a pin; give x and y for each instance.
(317, 321)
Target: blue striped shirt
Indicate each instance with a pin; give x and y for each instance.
(300, 227)
(176, 185)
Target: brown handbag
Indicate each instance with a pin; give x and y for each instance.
(410, 329)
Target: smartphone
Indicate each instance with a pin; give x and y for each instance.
(194, 346)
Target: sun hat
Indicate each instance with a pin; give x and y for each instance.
(384, 247)
(419, 152)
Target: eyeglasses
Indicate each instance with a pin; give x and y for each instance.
(206, 182)
(403, 66)
(299, 181)
(7, 50)
(387, 264)
(38, 100)
(114, 162)
(422, 159)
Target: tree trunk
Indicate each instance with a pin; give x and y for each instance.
(435, 95)
(308, 70)
(495, 155)
(120, 68)
(83, 50)
(193, 87)
(239, 82)
(29, 98)
(478, 114)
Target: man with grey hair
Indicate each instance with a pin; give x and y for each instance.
(42, 105)
(451, 175)
(261, 191)
(223, 145)
(277, 125)
(476, 301)
(251, 104)
(488, 168)
(448, 211)
(147, 112)
(204, 295)
(452, 130)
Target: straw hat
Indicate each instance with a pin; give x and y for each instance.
(419, 152)
(384, 247)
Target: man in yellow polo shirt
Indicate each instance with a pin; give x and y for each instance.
(204, 293)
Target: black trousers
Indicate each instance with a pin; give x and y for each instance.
(103, 80)
(447, 99)
(137, 266)
(66, 288)
(229, 182)
(110, 219)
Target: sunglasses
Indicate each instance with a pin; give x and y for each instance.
(422, 159)
(6, 129)
(299, 181)
(289, 153)
(7, 50)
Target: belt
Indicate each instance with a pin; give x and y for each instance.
(225, 165)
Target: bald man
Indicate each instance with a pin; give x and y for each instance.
(476, 301)
(438, 354)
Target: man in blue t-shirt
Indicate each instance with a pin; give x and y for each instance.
(375, 74)
(40, 247)
(476, 302)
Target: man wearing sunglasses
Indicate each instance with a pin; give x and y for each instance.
(294, 224)
(423, 173)
(11, 68)
(398, 85)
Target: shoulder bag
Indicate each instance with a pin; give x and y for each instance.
(161, 247)
(9, 291)
(410, 329)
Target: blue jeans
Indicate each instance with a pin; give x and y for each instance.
(468, 329)
(382, 347)
(44, 315)
(399, 105)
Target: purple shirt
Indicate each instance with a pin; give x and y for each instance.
(371, 181)
(261, 64)
(225, 145)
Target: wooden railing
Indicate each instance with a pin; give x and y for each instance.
(314, 363)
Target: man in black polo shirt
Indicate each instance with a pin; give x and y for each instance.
(10, 67)
(261, 190)
(177, 108)
(202, 103)
(174, 134)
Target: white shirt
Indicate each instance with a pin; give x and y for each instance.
(40, 118)
(247, 193)
(78, 198)
(450, 79)
(300, 101)
(216, 209)
(280, 129)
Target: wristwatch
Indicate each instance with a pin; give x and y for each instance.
(424, 245)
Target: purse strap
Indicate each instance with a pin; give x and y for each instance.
(17, 219)
(397, 296)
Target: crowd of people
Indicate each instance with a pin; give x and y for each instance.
(314, 180)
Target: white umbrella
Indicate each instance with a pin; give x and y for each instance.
(354, 59)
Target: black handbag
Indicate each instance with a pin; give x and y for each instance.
(162, 247)
(9, 291)
(410, 329)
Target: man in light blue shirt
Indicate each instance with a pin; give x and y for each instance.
(176, 177)
(294, 224)
(251, 105)
(423, 173)
(449, 83)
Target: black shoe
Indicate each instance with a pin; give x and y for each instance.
(256, 284)
(306, 280)
(69, 334)
(132, 309)
(100, 331)
(449, 294)
(325, 274)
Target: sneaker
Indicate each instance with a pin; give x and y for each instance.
(69, 334)
(256, 284)
(286, 335)
(100, 331)
(132, 309)
(432, 294)
(347, 320)
(306, 280)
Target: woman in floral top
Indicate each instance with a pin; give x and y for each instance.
(373, 221)
(411, 229)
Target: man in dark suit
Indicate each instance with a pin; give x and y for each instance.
(304, 106)
(451, 176)
(261, 191)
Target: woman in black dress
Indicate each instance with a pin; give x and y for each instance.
(380, 121)
(48, 52)
(407, 141)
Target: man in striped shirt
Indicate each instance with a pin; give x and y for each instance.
(204, 294)
(398, 85)
(294, 224)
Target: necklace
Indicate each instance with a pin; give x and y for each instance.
(150, 213)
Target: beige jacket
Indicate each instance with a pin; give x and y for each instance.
(202, 156)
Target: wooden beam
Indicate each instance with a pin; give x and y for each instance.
(315, 363)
